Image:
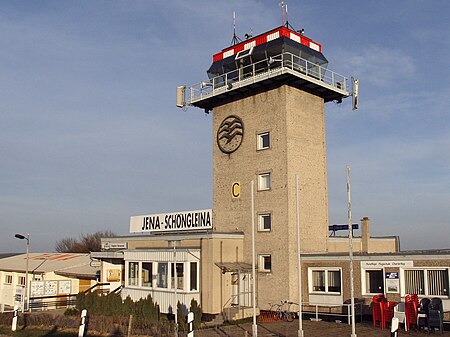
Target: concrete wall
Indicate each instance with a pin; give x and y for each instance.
(295, 120)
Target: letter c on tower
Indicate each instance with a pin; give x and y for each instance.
(236, 190)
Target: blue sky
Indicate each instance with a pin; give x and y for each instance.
(90, 134)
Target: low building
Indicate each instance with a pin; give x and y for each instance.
(54, 279)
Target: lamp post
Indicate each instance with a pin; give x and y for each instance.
(23, 237)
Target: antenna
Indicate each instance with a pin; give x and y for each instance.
(355, 87)
(287, 20)
(235, 39)
(282, 12)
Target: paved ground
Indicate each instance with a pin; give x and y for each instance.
(310, 329)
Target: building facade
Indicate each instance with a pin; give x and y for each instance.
(53, 279)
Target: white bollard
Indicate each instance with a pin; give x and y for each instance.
(190, 321)
(394, 327)
(82, 328)
(15, 317)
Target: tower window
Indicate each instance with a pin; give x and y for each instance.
(265, 263)
(264, 181)
(265, 222)
(263, 140)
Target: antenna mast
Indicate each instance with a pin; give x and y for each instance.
(287, 20)
(282, 12)
(235, 39)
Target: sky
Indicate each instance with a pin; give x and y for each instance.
(90, 134)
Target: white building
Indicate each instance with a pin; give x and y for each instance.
(53, 279)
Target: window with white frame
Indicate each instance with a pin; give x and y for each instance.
(264, 181)
(147, 274)
(265, 263)
(265, 222)
(133, 273)
(426, 282)
(324, 280)
(163, 275)
(180, 276)
(263, 140)
(21, 280)
(8, 279)
(373, 281)
(193, 276)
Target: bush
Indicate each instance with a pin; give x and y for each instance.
(197, 310)
(144, 310)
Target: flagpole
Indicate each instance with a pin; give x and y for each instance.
(350, 252)
(299, 263)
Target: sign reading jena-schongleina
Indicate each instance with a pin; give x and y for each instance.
(172, 222)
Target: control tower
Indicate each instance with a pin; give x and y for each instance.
(267, 97)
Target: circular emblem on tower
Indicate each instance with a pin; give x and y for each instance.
(230, 134)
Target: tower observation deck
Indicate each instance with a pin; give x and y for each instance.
(277, 57)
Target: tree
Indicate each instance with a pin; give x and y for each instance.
(84, 244)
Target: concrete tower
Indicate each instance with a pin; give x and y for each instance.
(267, 96)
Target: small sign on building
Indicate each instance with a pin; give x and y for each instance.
(392, 282)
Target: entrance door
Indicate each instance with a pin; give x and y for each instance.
(241, 289)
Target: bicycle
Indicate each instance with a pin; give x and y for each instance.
(280, 313)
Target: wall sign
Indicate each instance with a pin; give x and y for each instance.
(114, 245)
(230, 134)
(383, 264)
(392, 282)
(172, 222)
(113, 275)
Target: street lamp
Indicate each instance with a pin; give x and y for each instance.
(23, 237)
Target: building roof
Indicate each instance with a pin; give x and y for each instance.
(65, 264)
(3, 255)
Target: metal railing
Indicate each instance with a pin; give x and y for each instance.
(265, 69)
(52, 302)
(343, 310)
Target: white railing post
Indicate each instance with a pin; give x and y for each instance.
(82, 328)
(15, 317)
(190, 321)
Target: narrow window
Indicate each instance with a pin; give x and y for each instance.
(193, 277)
(133, 273)
(147, 272)
(264, 181)
(162, 276)
(334, 281)
(21, 280)
(265, 222)
(265, 263)
(318, 280)
(180, 276)
(263, 141)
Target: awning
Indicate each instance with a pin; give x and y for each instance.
(233, 267)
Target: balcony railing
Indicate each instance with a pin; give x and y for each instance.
(266, 69)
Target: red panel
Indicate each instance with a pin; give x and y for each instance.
(217, 57)
(260, 39)
(239, 48)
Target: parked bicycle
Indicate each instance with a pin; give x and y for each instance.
(281, 313)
